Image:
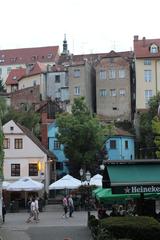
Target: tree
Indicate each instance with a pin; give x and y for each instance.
(2, 110)
(156, 130)
(147, 133)
(82, 135)
(29, 119)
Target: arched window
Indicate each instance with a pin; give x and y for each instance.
(154, 48)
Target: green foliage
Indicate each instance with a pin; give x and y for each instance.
(130, 227)
(147, 135)
(2, 86)
(81, 133)
(156, 130)
(29, 119)
(1, 153)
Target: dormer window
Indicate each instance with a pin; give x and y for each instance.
(154, 48)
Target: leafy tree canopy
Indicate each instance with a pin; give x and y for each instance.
(147, 133)
(82, 135)
(29, 119)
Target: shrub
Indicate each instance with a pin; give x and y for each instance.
(129, 227)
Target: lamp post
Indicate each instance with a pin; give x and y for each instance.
(88, 178)
(81, 172)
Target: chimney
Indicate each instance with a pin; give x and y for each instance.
(144, 41)
(136, 38)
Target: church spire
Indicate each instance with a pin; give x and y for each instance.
(65, 47)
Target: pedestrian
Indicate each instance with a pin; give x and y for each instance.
(65, 206)
(71, 205)
(37, 208)
(3, 211)
(33, 212)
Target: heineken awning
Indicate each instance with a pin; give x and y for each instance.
(133, 178)
(106, 195)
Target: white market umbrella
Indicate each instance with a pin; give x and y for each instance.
(66, 182)
(5, 184)
(25, 184)
(96, 180)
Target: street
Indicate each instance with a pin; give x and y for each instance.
(51, 226)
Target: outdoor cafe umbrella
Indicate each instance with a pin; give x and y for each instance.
(96, 180)
(25, 184)
(66, 182)
(5, 184)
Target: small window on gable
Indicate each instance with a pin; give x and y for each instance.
(154, 48)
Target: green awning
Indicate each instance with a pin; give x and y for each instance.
(106, 195)
(130, 174)
(95, 191)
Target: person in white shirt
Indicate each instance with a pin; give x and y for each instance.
(33, 212)
(37, 208)
(71, 205)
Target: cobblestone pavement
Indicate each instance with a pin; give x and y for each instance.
(15, 226)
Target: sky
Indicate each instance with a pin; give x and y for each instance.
(91, 26)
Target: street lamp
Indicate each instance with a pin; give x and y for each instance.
(81, 172)
(88, 178)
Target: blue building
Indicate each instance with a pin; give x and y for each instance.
(58, 150)
(120, 146)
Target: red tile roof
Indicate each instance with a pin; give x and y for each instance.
(141, 48)
(29, 55)
(15, 75)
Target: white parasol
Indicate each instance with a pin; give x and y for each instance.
(66, 182)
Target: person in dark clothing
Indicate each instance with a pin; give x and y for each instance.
(102, 212)
(3, 211)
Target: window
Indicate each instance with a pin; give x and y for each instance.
(112, 92)
(147, 95)
(56, 145)
(122, 92)
(57, 78)
(18, 143)
(102, 92)
(122, 73)
(112, 74)
(34, 83)
(147, 75)
(76, 73)
(6, 143)
(77, 91)
(154, 48)
(33, 169)
(126, 144)
(15, 170)
(102, 75)
(147, 62)
(112, 144)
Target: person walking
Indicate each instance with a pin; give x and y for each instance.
(65, 206)
(3, 211)
(33, 212)
(71, 205)
(37, 208)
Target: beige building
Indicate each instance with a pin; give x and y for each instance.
(82, 82)
(147, 67)
(24, 155)
(113, 86)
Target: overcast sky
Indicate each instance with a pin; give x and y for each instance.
(91, 26)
